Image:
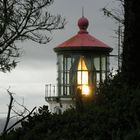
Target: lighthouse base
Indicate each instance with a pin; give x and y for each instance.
(60, 104)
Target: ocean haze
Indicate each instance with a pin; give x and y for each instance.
(2, 123)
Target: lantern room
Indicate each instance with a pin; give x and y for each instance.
(83, 62)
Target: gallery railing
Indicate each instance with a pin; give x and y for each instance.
(51, 91)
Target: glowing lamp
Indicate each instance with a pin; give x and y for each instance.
(82, 77)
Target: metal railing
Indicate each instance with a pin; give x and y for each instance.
(51, 90)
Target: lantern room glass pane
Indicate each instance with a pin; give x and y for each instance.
(68, 63)
(108, 64)
(89, 63)
(103, 76)
(97, 63)
(61, 90)
(103, 63)
(65, 64)
(61, 78)
(60, 62)
(68, 90)
(67, 77)
(97, 78)
(83, 76)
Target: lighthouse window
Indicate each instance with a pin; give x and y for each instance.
(97, 79)
(97, 63)
(60, 62)
(67, 77)
(83, 72)
(107, 63)
(61, 90)
(69, 63)
(68, 90)
(103, 63)
(82, 77)
(103, 76)
(61, 77)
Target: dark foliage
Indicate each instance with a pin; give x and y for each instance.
(113, 115)
(130, 63)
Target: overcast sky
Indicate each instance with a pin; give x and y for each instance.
(37, 65)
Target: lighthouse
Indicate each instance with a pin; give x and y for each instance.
(82, 64)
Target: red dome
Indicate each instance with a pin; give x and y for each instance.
(83, 23)
(82, 40)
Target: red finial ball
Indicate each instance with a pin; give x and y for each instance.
(83, 23)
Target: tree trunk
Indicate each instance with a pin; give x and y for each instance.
(131, 53)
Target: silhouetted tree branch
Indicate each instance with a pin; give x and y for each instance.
(19, 121)
(9, 111)
(20, 114)
(24, 20)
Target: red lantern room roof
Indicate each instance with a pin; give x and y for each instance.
(83, 40)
